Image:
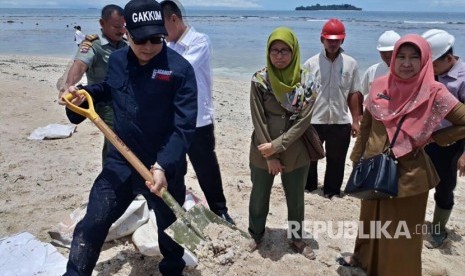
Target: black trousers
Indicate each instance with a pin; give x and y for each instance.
(110, 196)
(445, 161)
(336, 139)
(205, 163)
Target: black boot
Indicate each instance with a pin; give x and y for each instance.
(438, 227)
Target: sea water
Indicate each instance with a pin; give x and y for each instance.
(238, 36)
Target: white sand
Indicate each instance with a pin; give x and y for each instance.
(43, 181)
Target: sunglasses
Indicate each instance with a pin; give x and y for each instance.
(153, 40)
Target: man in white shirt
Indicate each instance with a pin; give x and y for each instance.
(196, 48)
(339, 81)
(385, 47)
(78, 35)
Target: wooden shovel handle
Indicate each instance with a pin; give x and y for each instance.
(89, 112)
(128, 154)
(109, 134)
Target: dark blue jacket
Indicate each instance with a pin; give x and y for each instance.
(155, 106)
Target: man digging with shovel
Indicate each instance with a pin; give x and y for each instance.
(154, 96)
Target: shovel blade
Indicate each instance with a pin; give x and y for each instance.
(185, 231)
(203, 217)
(183, 234)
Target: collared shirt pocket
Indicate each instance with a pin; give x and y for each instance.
(346, 81)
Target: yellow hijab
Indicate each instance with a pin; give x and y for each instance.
(285, 80)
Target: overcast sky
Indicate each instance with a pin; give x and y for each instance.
(368, 5)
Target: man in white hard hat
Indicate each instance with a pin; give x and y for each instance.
(450, 71)
(385, 47)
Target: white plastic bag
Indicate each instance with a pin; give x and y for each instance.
(145, 238)
(24, 255)
(52, 131)
(136, 215)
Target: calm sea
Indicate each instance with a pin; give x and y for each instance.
(238, 37)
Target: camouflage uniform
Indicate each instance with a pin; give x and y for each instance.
(94, 51)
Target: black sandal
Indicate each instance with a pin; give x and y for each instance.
(303, 249)
(253, 245)
(344, 262)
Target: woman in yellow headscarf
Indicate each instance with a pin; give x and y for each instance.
(280, 103)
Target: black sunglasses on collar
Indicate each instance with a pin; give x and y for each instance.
(153, 39)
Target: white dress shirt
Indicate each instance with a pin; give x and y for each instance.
(375, 71)
(336, 80)
(79, 37)
(196, 48)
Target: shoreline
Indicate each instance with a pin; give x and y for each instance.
(219, 73)
(44, 181)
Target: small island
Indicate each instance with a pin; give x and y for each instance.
(318, 7)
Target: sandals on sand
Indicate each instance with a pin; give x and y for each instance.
(297, 246)
(304, 249)
(253, 245)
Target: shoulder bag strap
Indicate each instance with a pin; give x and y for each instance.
(393, 138)
(397, 132)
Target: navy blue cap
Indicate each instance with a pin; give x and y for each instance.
(144, 19)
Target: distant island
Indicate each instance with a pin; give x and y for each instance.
(318, 7)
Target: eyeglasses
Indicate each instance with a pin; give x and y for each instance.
(284, 51)
(153, 40)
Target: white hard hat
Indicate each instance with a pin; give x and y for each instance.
(387, 40)
(440, 42)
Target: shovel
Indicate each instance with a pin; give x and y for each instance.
(189, 226)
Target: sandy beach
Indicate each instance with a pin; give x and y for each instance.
(43, 181)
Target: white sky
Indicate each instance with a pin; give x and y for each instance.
(369, 5)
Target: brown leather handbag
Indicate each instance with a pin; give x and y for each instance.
(313, 144)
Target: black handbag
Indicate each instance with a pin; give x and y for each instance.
(375, 177)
